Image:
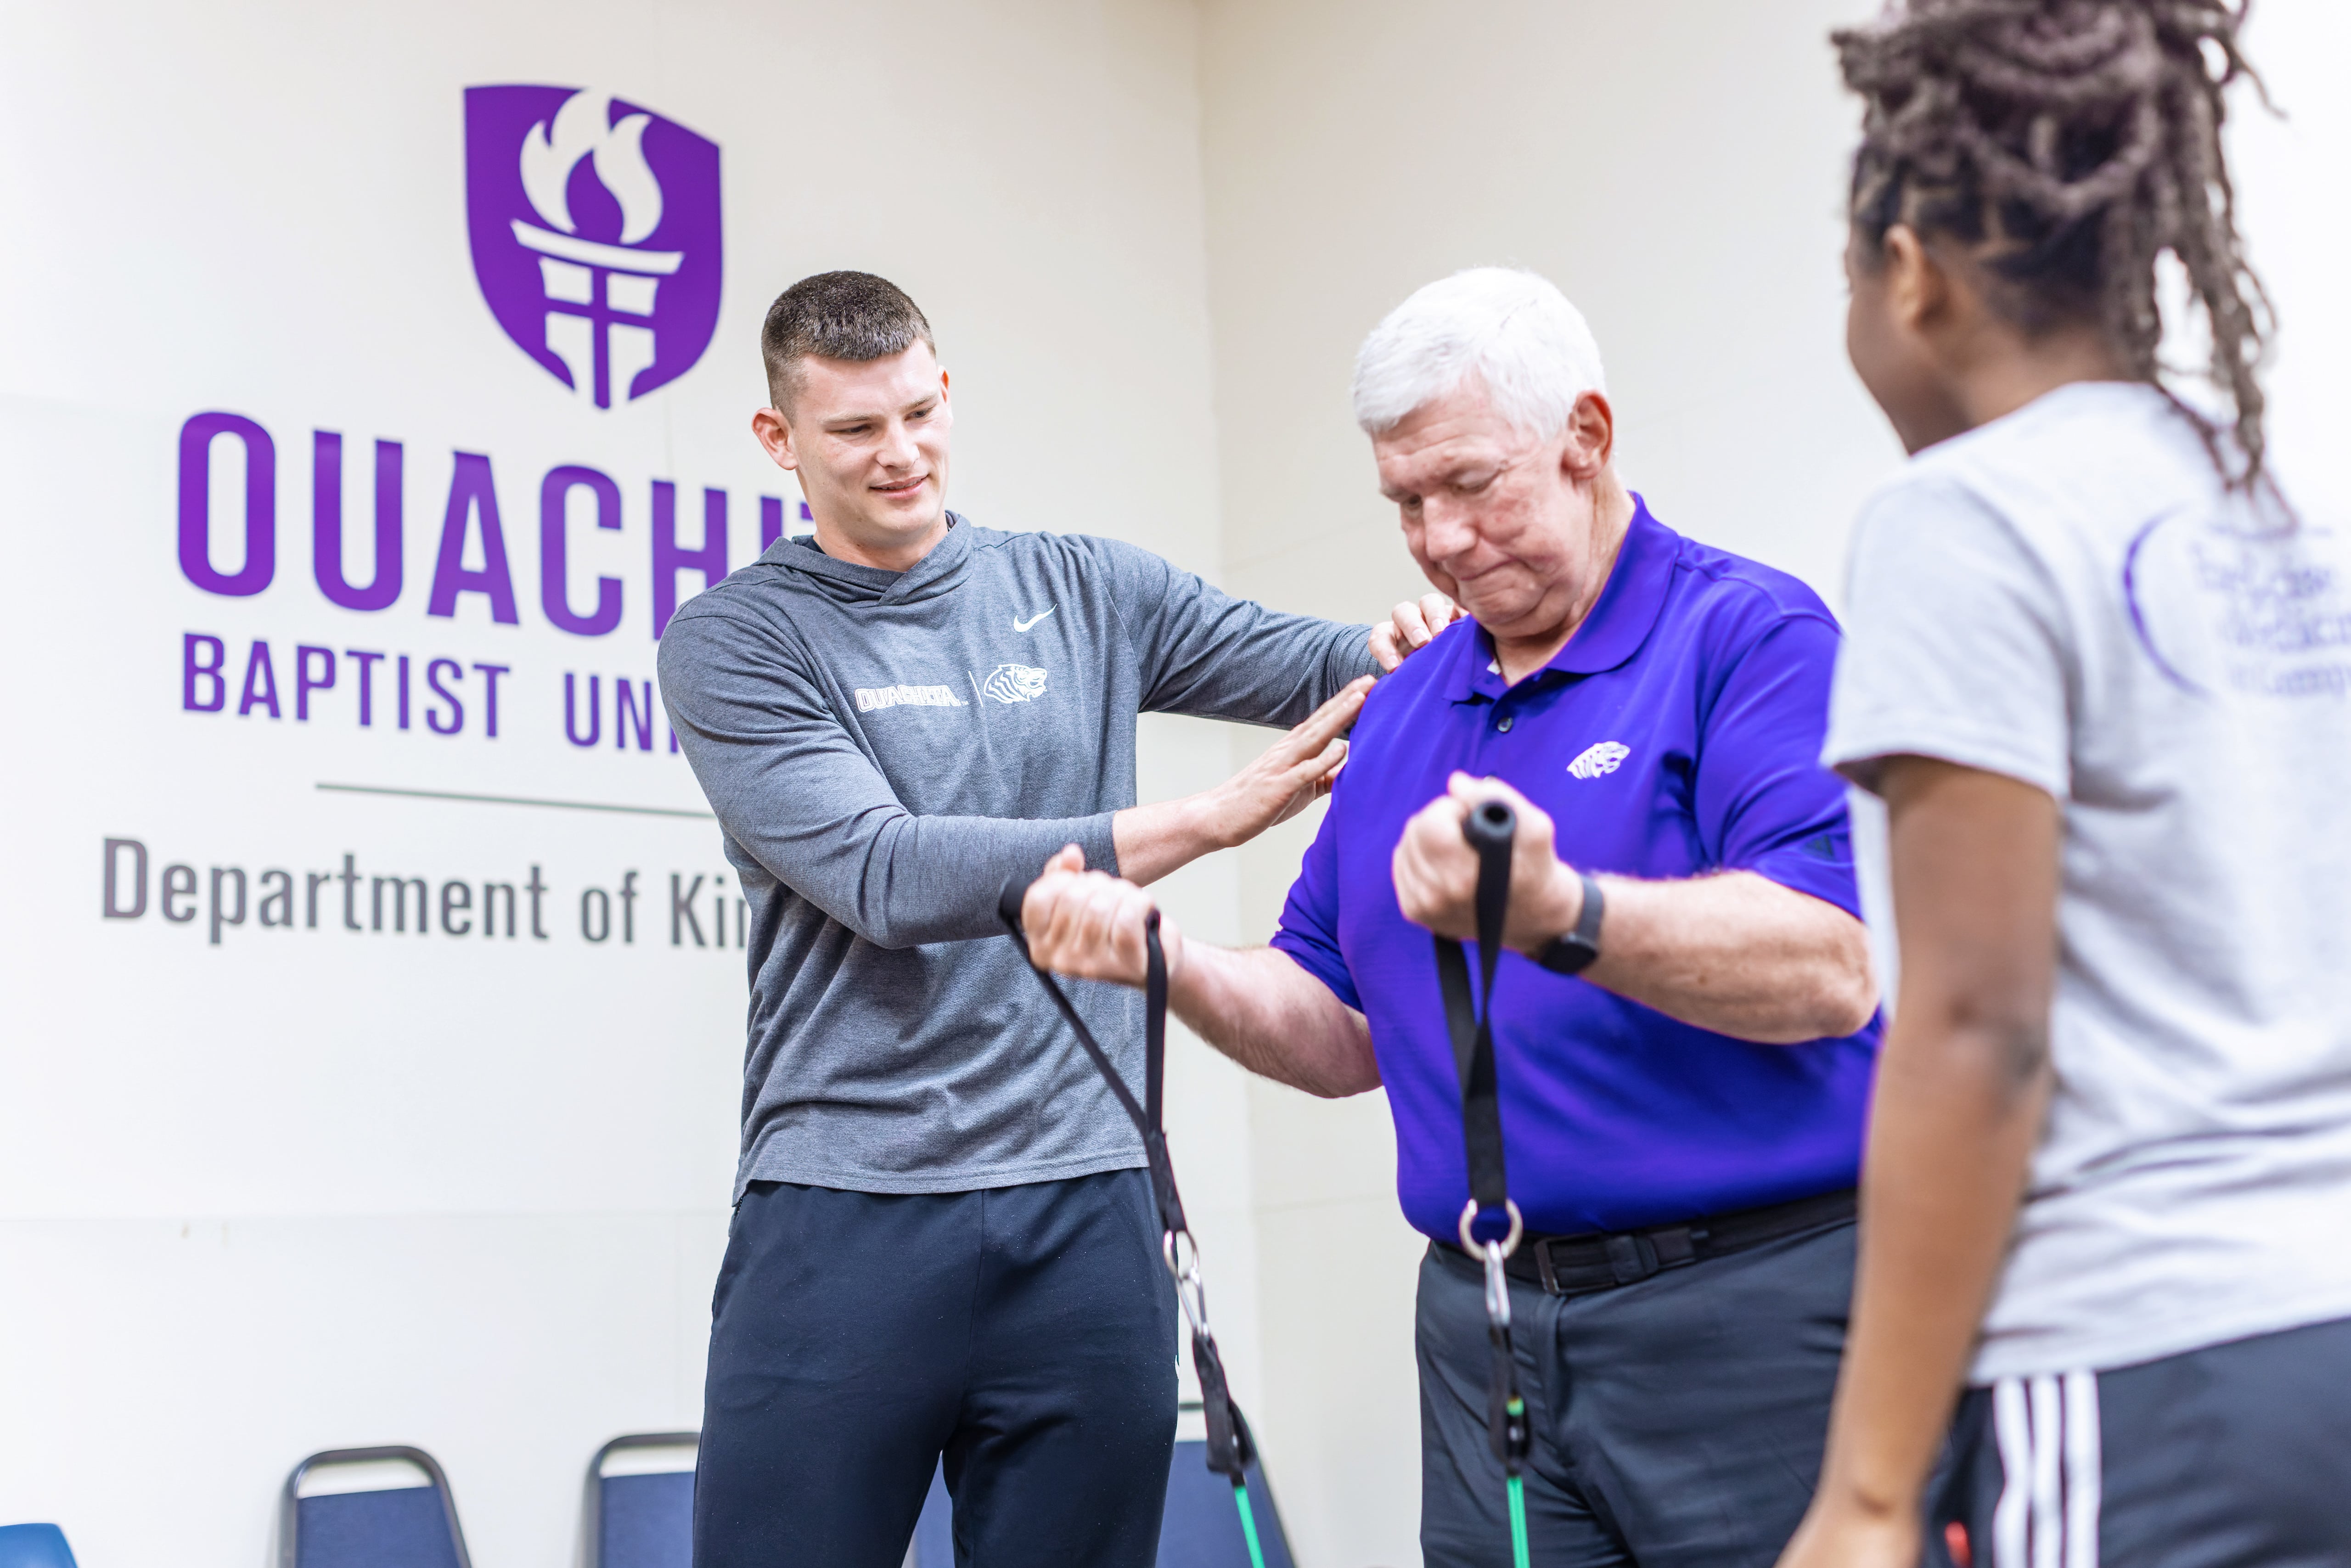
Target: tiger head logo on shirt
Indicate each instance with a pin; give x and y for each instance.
(1015, 683)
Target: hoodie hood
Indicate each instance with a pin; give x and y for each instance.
(845, 582)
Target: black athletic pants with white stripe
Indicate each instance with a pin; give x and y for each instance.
(2238, 1456)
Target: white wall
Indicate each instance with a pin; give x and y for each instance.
(310, 1188)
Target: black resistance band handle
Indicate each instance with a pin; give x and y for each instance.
(1232, 1447)
(1147, 1115)
(1490, 829)
(1491, 826)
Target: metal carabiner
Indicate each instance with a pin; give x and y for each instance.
(1498, 1289)
(1498, 1285)
(1189, 1289)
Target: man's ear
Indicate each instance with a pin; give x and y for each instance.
(775, 435)
(1591, 437)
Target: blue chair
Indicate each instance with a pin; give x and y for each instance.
(1200, 1529)
(390, 1527)
(34, 1546)
(642, 1520)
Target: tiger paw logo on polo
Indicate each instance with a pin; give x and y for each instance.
(595, 233)
(1595, 760)
(1015, 683)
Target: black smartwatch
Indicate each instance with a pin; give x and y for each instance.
(1574, 953)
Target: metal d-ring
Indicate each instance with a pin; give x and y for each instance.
(1508, 1244)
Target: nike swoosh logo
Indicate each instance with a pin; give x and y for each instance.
(1020, 625)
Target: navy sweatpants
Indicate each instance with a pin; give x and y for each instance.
(1027, 1333)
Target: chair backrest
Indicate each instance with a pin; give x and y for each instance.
(34, 1546)
(1201, 1527)
(357, 1507)
(638, 1511)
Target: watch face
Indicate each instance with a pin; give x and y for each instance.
(1566, 954)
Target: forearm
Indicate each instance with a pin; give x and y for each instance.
(1152, 840)
(1963, 1085)
(1958, 1110)
(1260, 1009)
(903, 880)
(1164, 836)
(1736, 954)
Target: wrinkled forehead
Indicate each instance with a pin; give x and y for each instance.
(1444, 439)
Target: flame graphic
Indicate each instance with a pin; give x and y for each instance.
(582, 129)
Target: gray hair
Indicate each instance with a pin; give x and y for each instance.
(1512, 330)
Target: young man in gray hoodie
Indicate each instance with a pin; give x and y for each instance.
(944, 1240)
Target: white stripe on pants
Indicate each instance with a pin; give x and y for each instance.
(2047, 1429)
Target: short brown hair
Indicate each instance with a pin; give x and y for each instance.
(837, 316)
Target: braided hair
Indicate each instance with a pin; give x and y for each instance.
(2068, 144)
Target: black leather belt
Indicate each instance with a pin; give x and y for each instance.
(1573, 1265)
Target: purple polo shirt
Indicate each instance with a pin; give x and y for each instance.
(1677, 733)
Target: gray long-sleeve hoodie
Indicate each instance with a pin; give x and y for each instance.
(884, 749)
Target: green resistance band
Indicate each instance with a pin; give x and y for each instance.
(1257, 1553)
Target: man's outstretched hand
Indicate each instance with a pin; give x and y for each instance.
(1410, 627)
(1152, 840)
(1088, 924)
(1435, 870)
(1289, 775)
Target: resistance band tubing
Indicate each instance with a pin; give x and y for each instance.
(1248, 1525)
(1230, 1445)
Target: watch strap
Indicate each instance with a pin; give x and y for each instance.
(1575, 952)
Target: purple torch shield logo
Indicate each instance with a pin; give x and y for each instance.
(595, 234)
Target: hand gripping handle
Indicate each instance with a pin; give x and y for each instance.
(1490, 827)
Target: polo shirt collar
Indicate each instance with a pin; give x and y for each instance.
(1620, 622)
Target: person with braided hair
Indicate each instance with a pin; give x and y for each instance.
(2097, 664)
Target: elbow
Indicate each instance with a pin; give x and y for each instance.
(1840, 1019)
(2006, 1047)
(1351, 1071)
(872, 920)
(1842, 995)
(1344, 1085)
(1846, 1001)
(1838, 997)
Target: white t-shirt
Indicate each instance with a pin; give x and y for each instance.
(2069, 596)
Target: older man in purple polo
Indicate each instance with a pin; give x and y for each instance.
(1684, 1026)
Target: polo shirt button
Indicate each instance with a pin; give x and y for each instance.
(1504, 726)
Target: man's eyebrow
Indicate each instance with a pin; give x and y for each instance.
(1451, 471)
